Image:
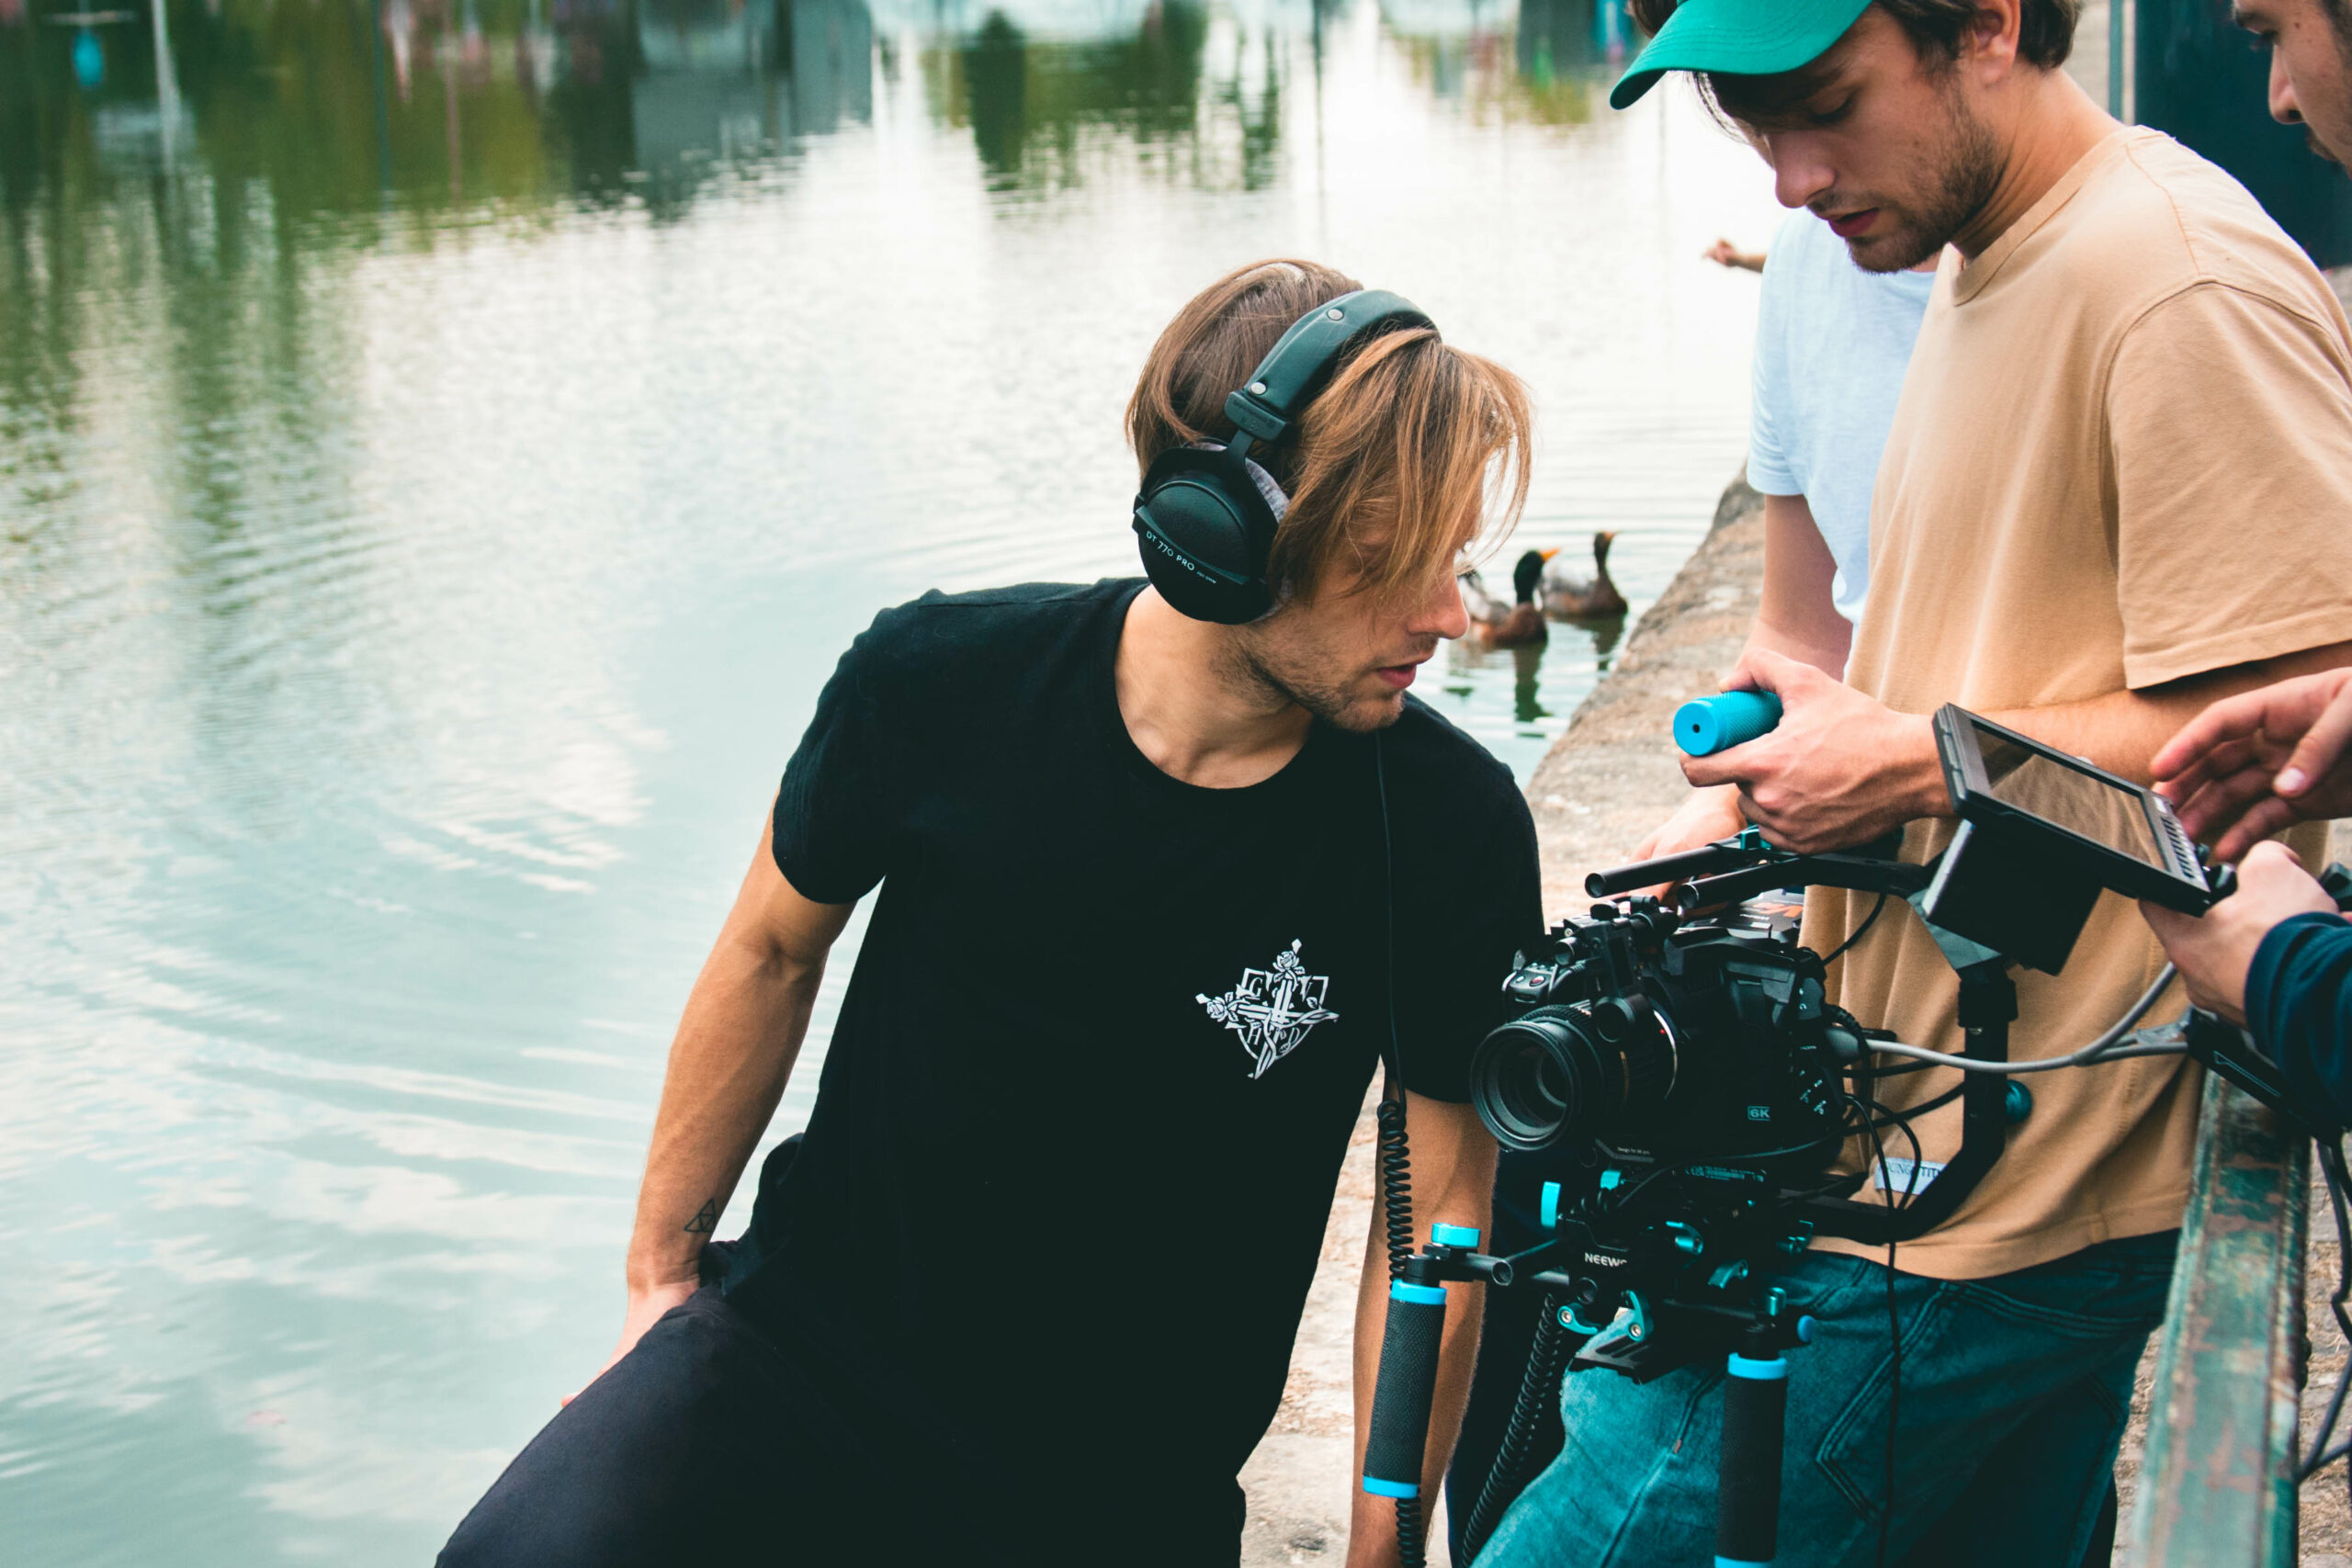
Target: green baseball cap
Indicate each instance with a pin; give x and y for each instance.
(1741, 38)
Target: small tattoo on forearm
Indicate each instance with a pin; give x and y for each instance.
(705, 1219)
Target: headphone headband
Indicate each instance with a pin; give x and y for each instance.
(1302, 360)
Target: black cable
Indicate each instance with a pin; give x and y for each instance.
(1396, 1149)
(1408, 1533)
(2331, 1160)
(1538, 1387)
(1396, 1184)
(1868, 921)
(1894, 1327)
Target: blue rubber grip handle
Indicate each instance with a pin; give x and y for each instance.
(1748, 1492)
(1400, 1400)
(1705, 726)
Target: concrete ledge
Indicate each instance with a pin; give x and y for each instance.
(1612, 777)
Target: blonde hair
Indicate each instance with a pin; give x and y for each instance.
(1412, 454)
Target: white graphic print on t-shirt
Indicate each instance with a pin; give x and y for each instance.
(1272, 1009)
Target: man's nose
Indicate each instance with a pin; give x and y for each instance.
(1799, 172)
(2283, 107)
(1442, 614)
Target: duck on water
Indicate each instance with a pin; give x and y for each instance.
(1539, 589)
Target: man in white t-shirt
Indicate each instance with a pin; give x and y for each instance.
(1832, 343)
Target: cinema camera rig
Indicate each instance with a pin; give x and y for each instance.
(1684, 1054)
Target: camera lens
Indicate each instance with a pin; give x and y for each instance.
(1569, 1072)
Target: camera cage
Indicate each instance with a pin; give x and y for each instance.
(2063, 829)
(1739, 1313)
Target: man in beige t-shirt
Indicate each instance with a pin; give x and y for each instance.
(2116, 488)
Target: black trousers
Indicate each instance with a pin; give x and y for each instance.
(702, 1445)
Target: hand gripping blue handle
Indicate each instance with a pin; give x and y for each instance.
(1708, 724)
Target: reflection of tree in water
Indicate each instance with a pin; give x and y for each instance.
(1554, 65)
(996, 83)
(308, 132)
(1037, 108)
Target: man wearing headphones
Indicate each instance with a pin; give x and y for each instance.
(1167, 869)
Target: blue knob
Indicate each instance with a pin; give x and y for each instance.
(1443, 1234)
(1550, 1217)
(1805, 1327)
(1705, 726)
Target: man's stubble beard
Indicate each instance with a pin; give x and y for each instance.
(1963, 185)
(1321, 700)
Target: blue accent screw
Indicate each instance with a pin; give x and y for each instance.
(2018, 1103)
(1443, 1234)
(1610, 1178)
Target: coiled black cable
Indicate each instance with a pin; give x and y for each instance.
(1396, 1150)
(1409, 1551)
(1396, 1214)
(1538, 1386)
(1395, 1185)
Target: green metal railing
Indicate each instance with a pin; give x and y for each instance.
(2217, 1481)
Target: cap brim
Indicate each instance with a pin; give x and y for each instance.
(1739, 38)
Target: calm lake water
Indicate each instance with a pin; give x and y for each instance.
(442, 448)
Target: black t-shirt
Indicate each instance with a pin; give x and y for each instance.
(1049, 1236)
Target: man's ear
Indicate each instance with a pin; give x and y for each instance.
(1992, 45)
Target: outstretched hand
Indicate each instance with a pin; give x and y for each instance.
(2215, 951)
(1723, 252)
(1840, 769)
(2261, 760)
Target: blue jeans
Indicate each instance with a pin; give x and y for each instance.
(2014, 1395)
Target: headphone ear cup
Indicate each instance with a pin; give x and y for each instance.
(1204, 533)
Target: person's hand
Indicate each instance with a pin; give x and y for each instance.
(1723, 252)
(2257, 761)
(2215, 951)
(1840, 769)
(646, 1308)
(1706, 816)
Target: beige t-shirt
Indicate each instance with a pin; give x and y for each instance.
(2122, 455)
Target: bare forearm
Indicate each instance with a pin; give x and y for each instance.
(734, 1051)
(1823, 649)
(1796, 615)
(2123, 730)
(735, 1047)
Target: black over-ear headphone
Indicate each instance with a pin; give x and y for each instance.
(1207, 530)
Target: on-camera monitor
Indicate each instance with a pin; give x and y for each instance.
(2081, 803)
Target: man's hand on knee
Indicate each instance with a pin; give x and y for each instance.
(647, 1307)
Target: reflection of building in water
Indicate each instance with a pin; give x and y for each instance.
(831, 44)
(1034, 21)
(1532, 59)
(1566, 38)
(724, 79)
(1039, 109)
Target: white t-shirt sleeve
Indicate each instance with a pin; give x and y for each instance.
(1771, 465)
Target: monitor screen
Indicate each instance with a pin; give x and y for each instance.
(2079, 802)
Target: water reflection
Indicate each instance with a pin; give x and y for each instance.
(444, 444)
